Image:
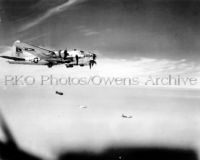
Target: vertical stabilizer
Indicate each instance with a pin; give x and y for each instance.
(17, 51)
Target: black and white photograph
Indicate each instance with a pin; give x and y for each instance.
(100, 79)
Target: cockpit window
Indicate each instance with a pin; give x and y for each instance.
(18, 49)
(29, 49)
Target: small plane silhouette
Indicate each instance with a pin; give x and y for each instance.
(82, 106)
(125, 116)
(59, 93)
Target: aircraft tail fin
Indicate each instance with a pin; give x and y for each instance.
(16, 50)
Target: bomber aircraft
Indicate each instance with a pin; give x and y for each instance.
(126, 116)
(59, 93)
(24, 53)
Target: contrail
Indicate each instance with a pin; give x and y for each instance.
(50, 13)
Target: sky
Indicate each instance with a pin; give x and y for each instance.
(158, 31)
(131, 38)
(118, 29)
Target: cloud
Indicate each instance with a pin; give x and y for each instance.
(141, 67)
(50, 13)
(144, 66)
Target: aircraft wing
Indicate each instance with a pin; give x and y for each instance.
(59, 60)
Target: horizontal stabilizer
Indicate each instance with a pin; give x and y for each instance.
(13, 58)
(26, 62)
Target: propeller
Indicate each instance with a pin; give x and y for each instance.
(77, 59)
(94, 56)
(91, 63)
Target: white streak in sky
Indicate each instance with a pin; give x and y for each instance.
(87, 31)
(91, 33)
(50, 13)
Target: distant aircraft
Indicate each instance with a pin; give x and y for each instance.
(34, 55)
(82, 106)
(59, 93)
(125, 116)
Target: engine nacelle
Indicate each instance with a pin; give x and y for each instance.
(61, 54)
